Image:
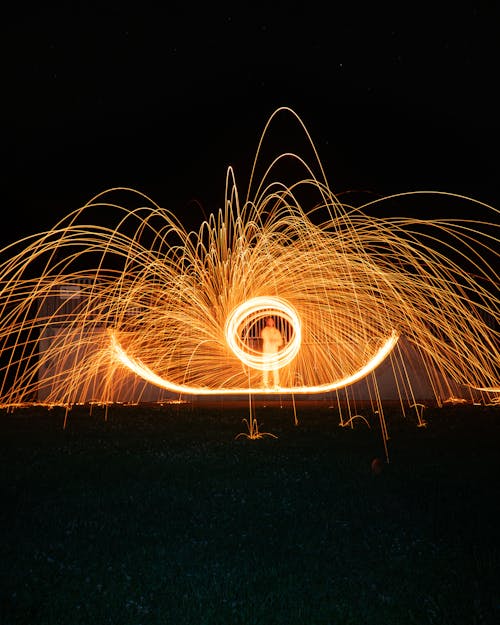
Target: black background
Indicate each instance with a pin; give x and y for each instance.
(164, 99)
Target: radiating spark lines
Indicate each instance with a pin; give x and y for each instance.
(86, 304)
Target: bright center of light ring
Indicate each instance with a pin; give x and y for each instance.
(251, 312)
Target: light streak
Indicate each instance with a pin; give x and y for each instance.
(144, 372)
(113, 294)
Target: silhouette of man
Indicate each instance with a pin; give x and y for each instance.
(271, 342)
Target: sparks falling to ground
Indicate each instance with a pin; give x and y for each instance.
(84, 306)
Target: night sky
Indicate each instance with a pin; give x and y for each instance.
(163, 100)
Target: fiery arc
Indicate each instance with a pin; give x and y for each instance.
(144, 372)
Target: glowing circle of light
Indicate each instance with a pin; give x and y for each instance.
(252, 311)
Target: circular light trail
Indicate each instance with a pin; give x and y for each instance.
(253, 311)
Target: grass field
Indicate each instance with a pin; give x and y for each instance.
(159, 515)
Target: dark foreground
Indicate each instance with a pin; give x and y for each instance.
(159, 515)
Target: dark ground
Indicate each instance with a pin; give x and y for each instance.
(160, 515)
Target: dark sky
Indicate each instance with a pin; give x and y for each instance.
(163, 100)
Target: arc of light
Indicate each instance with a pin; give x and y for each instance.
(144, 372)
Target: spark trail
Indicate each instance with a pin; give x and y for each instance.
(142, 296)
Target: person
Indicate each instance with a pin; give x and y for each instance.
(271, 342)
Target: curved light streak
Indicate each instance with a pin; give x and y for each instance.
(137, 367)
